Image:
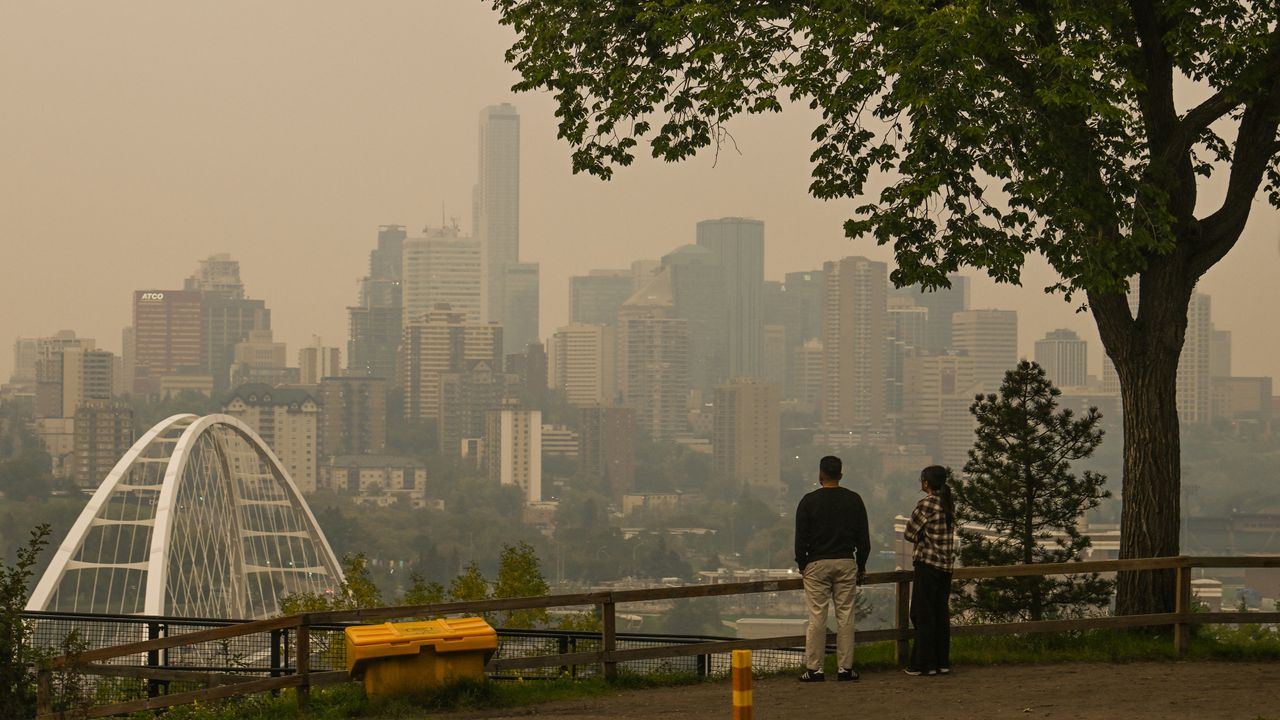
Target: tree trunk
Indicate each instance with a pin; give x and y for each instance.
(1145, 350)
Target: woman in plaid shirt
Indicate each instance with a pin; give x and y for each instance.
(932, 531)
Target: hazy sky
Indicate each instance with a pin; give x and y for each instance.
(139, 137)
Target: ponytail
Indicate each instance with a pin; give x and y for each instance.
(935, 476)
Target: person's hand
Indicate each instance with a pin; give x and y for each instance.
(861, 578)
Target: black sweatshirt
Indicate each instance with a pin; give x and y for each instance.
(831, 524)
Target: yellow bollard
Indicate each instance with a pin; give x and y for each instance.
(741, 685)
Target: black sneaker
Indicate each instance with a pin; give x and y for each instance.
(811, 676)
(846, 675)
(914, 672)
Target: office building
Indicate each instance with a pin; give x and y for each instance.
(376, 321)
(379, 480)
(260, 359)
(990, 338)
(738, 244)
(607, 450)
(513, 450)
(531, 369)
(559, 441)
(353, 415)
(1219, 353)
(287, 420)
(168, 336)
(774, 356)
(1195, 390)
(594, 298)
(806, 373)
(69, 376)
(1245, 402)
(228, 316)
(653, 359)
(103, 433)
(442, 341)
(747, 434)
(855, 333)
(1064, 357)
(582, 363)
(497, 203)
(908, 335)
(698, 295)
(317, 361)
(520, 313)
(442, 267)
(929, 381)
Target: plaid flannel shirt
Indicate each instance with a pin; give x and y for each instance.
(934, 538)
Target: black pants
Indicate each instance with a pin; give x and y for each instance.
(931, 616)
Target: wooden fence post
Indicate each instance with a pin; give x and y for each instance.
(304, 662)
(44, 692)
(609, 638)
(1182, 606)
(902, 623)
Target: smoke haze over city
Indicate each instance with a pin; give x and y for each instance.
(138, 138)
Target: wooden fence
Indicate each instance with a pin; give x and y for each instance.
(302, 678)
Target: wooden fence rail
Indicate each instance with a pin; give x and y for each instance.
(302, 678)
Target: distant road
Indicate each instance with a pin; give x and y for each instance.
(1080, 691)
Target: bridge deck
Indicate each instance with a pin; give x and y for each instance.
(1082, 691)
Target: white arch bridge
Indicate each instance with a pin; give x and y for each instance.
(198, 519)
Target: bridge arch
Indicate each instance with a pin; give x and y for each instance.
(198, 519)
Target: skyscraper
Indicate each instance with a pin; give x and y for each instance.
(376, 322)
(497, 203)
(855, 333)
(441, 267)
(1195, 391)
(697, 286)
(465, 397)
(1064, 357)
(229, 317)
(594, 298)
(442, 341)
(990, 338)
(520, 309)
(168, 334)
(942, 303)
(513, 450)
(607, 449)
(653, 358)
(738, 244)
(316, 361)
(103, 434)
(746, 436)
(353, 415)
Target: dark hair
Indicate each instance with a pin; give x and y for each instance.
(830, 467)
(935, 476)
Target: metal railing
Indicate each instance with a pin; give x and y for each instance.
(313, 640)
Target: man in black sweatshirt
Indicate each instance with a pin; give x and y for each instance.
(831, 530)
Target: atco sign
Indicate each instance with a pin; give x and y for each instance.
(152, 296)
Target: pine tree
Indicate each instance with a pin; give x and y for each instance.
(1018, 484)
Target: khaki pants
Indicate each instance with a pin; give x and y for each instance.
(826, 581)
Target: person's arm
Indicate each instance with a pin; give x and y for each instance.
(802, 536)
(915, 525)
(862, 535)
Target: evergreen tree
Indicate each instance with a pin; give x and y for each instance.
(1018, 483)
(520, 575)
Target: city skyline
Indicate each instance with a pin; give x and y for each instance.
(161, 178)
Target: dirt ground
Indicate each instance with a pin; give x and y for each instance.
(1137, 691)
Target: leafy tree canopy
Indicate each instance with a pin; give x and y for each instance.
(1012, 127)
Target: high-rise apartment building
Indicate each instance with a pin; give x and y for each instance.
(806, 373)
(746, 436)
(908, 336)
(1064, 357)
(497, 203)
(353, 415)
(376, 321)
(855, 332)
(465, 398)
(317, 361)
(69, 376)
(442, 341)
(513, 450)
(990, 338)
(520, 310)
(594, 298)
(168, 335)
(738, 244)
(582, 363)
(774, 356)
(442, 267)
(607, 449)
(1195, 389)
(653, 359)
(1219, 353)
(942, 304)
(103, 434)
(287, 420)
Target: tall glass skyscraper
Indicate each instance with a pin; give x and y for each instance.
(497, 202)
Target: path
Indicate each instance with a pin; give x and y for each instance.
(1135, 691)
